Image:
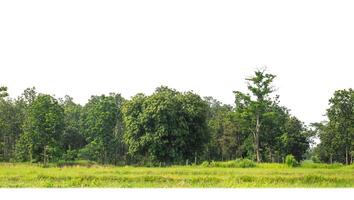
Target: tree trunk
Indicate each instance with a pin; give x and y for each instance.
(45, 156)
(346, 156)
(258, 157)
(271, 158)
(30, 154)
(331, 158)
(257, 140)
(4, 149)
(195, 159)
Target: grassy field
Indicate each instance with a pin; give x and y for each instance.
(264, 175)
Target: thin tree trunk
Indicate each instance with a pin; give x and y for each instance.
(271, 159)
(346, 156)
(4, 149)
(257, 139)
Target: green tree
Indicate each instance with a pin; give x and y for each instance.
(43, 127)
(295, 139)
(102, 125)
(216, 118)
(256, 111)
(341, 120)
(329, 146)
(167, 126)
(72, 139)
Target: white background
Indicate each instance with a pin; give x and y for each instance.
(82, 48)
(177, 194)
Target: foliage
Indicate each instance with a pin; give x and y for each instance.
(102, 127)
(337, 134)
(72, 138)
(70, 155)
(12, 115)
(3, 92)
(294, 140)
(273, 131)
(291, 161)
(167, 126)
(170, 127)
(43, 127)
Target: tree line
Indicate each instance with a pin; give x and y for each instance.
(171, 127)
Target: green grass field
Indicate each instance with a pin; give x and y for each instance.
(264, 175)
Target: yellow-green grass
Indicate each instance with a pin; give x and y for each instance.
(264, 175)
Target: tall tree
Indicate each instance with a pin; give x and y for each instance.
(43, 127)
(295, 139)
(216, 120)
(329, 147)
(101, 122)
(257, 109)
(167, 126)
(72, 139)
(11, 121)
(341, 117)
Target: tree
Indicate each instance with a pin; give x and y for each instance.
(295, 141)
(11, 121)
(72, 139)
(167, 126)
(101, 122)
(328, 148)
(256, 111)
(29, 95)
(341, 120)
(43, 128)
(12, 115)
(217, 113)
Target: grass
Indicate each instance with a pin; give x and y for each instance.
(263, 175)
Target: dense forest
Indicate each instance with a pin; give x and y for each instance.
(170, 127)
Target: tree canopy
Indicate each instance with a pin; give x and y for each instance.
(171, 127)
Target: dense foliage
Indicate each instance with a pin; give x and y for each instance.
(167, 126)
(170, 127)
(337, 134)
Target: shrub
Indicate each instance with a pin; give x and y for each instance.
(70, 155)
(214, 164)
(291, 161)
(315, 159)
(205, 164)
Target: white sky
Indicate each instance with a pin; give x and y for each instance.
(81, 48)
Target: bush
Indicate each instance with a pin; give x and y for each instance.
(214, 164)
(315, 159)
(205, 164)
(291, 161)
(70, 155)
